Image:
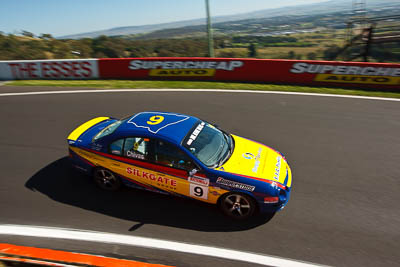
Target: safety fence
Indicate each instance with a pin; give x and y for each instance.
(301, 72)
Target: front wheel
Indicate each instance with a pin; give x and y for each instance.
(237, 206)
(106, 179)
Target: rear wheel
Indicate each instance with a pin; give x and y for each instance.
(106, 179)
(237, 206)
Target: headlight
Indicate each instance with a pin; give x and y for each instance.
(282, 196)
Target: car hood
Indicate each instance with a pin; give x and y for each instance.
(256, 160)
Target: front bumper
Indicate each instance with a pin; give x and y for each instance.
(284, 196)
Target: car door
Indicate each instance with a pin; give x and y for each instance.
(191, 181)
(153, 165)
(158, 165)
(134, 161)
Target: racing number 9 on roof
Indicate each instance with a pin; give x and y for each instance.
(156, 121)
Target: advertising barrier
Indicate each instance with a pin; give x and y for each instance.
(69, 69)
(301, 72)
(318, 73)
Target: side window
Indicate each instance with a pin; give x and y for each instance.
(116, 147)
(169, 155)
(137, 148)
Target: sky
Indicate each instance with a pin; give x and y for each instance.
(63, 17)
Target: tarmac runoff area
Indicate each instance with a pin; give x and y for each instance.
(344, 155)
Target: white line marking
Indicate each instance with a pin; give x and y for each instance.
(90, 236)
(195, 90)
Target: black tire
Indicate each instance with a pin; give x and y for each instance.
(106, 179)
(237, 206)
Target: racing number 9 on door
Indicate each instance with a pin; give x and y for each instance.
(199, 191)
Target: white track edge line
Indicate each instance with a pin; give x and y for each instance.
(195, 90)
(92, 236)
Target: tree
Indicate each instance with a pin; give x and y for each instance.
(252, 50)
(46, 36)
(81, 48)
(27, 34)
(311, 56)
(228, 54)
(332, 52)
(60, 49)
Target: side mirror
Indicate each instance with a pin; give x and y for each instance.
(193, 172)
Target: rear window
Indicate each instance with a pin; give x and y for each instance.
(108, 130)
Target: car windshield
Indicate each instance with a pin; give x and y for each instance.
(209, 144)
(108, 130)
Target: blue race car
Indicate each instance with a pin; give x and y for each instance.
(182, 155)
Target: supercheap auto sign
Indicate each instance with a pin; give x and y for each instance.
(178, 68)
(381, 74)
(254, 70)
(193, 68)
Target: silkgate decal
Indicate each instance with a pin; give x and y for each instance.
(349, 74)
(152, 178)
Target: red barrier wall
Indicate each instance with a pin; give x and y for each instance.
(317, 73)
(56, 69)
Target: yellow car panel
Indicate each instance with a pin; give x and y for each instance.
(74, 135)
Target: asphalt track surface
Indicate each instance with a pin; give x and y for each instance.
(344, 153)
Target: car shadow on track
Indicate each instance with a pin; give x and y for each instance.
(60, 182)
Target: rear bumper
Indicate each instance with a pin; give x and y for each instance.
(80, 163)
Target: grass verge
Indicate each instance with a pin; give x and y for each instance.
(109, 84)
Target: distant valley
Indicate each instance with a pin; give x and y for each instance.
(221, 24)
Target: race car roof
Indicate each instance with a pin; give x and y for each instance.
(166, 125)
